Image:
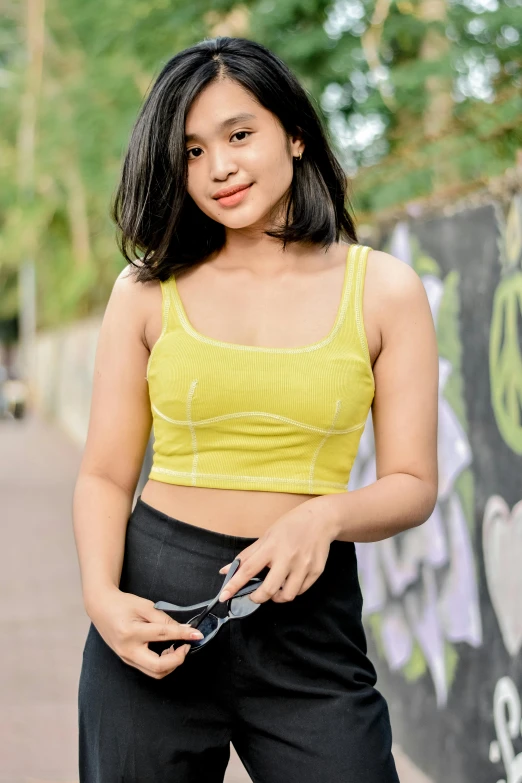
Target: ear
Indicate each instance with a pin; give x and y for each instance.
(297, 145)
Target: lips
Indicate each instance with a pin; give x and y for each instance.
(230, 191)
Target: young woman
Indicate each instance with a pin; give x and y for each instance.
(255, 333)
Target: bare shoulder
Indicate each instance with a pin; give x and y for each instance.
(128, 286)
(395, 277)
(394, 284)
(400, 302)
(135, 303)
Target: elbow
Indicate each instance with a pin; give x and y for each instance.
(428, 502)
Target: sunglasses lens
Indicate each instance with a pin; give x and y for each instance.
(208, 628)
(242, 606)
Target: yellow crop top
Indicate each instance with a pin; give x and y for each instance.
(247, 417)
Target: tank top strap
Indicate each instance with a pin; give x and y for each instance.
(353, 324)
(350, 316)
(170, 314)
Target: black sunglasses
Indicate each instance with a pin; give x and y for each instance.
(209, 624)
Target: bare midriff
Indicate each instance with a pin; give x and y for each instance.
(234, 512)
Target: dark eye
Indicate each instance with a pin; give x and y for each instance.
(194, 149)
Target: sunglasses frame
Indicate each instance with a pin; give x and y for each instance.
(197, 644)
(206, 607)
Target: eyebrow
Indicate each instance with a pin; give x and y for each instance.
(243, 117)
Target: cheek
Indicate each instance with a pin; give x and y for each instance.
(269, 167)
(276, 178)
(266, 165)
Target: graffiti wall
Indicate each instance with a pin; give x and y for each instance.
(443, 602)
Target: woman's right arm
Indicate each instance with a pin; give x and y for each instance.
(119, 428)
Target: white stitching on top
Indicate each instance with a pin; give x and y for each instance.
(321, 444)
(225, 476)
(240, 414)
(349, 267)
(190, 423)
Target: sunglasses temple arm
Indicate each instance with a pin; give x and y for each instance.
(165, 605)
(232, 570)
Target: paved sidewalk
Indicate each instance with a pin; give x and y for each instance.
(43, 623)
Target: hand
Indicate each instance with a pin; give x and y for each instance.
(127, 623)
(295, 548)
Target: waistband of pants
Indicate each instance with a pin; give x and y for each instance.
(184, 534)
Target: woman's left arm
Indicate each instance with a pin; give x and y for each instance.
(405, 420)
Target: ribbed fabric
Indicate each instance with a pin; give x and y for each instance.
(235, 416)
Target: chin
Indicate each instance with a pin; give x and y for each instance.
(238, 221)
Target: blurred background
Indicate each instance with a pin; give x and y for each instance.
(422, 100)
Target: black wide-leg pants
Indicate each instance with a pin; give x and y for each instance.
(290, 685)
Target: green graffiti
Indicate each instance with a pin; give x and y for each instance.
(451, 658)
(450, 348)
(375, 623)
(425, 265)
(416, 665)
(505, 362)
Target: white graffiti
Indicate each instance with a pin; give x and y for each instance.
(507, 717)
(502, 545)
(422, 583)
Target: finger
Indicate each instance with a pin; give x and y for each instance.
(309, 581)
(158, 666)
(157, 632)
(291, 587)
(243, 556)
(157, 617)
(172, 649)
(153, 615)
(243, 575)
(271, 585)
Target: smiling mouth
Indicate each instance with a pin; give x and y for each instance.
(234, 198)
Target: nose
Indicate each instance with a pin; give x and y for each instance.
(221, 163)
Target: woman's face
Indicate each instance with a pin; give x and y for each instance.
(225, 149)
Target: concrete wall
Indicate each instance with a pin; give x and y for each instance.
(64, 370)
(64, 367)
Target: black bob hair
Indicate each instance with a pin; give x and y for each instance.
(152, 209)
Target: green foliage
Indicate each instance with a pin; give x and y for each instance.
(100, 60)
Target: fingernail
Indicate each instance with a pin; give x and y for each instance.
(196, 635)
(224, 595)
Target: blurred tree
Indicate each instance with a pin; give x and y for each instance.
(420, 96)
